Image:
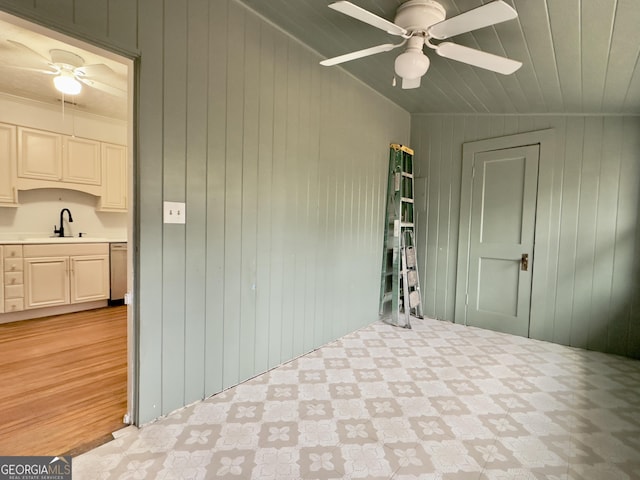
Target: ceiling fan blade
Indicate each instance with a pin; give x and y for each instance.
(366, 16)
(489, 14)
(478, 58)
(29, 69)
(104, 73)
(408, 83)
(34, 56)
(104, 87)
(95, 69)
(359, 54)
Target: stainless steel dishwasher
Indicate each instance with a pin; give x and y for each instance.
(118, 261)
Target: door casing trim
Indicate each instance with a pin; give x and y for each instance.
(546, 140)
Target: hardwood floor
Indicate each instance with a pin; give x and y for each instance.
(63, 381)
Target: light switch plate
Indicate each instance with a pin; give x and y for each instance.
(175, 212)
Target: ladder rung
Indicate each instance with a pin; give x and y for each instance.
(387, 297)
(406, 199)
(408, 175)
(406, 224)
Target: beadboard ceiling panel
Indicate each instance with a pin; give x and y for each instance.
(579, 56)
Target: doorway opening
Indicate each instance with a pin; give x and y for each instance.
(93, 135)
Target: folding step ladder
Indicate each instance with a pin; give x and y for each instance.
(400, 295)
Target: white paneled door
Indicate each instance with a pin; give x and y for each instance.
(502, 226)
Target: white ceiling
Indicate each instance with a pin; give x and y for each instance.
(579, 56)
(39, 86)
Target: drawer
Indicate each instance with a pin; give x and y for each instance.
(13, 305)
(13, 264)
(13, 278)
(13, 251)
(13, 291)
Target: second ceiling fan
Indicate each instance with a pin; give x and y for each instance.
(420, 21)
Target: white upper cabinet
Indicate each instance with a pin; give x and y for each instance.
(81, 161)
(8, 192)
(114, 178)
(52, 156)
(41, 159)
(39, 154)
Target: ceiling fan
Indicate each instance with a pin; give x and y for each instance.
(420, 21)
(70, 72)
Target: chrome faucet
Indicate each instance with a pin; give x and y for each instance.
(60, 231)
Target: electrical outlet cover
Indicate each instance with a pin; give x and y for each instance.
(175, 212)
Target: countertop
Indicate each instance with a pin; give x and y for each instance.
(31, 241)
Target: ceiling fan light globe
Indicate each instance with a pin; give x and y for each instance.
(67, 84)
(411, 64)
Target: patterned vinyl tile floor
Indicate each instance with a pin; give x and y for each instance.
(438, 402)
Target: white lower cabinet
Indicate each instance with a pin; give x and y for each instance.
(2, 283)
(46, 281)
(12, 290)
(65, 274)
(89, 278)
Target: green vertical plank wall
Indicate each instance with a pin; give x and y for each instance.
(282, 165)
(112, 24)
(592, 289)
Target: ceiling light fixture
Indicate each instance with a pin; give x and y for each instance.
(66, 83)
(412, 64)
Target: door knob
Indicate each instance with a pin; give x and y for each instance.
(524, 262)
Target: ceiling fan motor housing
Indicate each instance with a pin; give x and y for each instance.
(67, 60)
(419, 15)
